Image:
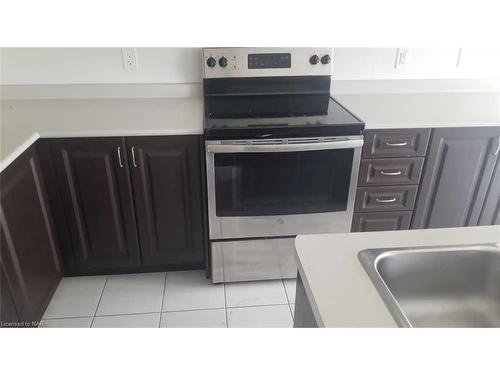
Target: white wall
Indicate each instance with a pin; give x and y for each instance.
(25, 66)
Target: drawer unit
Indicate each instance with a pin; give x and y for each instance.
(385, 198)
(380, 221)
(393, 171)
(396, 143)
(389, 177)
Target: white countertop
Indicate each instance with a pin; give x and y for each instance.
(24, 121)
(339, 289)
(432, 110)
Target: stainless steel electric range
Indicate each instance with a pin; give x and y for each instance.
(282, 157)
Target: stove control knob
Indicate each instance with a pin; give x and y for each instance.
(314, 59)
(223, 62)
(325, 59)
(211, 62)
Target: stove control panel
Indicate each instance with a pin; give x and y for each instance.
(266, 62)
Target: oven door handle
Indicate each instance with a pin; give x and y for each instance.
(284, 147)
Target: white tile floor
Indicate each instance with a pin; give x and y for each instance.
(172, 299)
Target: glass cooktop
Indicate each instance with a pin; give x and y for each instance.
(278, 116)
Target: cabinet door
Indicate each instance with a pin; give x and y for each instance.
(457, 174)
(94, 181)
(29, 250)
(166, 175)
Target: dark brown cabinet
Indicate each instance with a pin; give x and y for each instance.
(389, 178)
(460, 179)
(93, 178)
(166, 176)
(131, 203)
(29, 249)
(380, 221)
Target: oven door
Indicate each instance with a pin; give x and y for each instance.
(281, 187)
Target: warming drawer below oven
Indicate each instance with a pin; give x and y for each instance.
(260, 259)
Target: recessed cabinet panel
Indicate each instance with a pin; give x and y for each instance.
(385, 198)
(380, 221)
(94, 181)
(457, 177)
(395, 143)
(400, 171)
(28, 245)
(166, 175)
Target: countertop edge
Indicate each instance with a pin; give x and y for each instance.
(112, 133)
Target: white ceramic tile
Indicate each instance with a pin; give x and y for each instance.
(194, 319)
(75, 297)
(133, 293)
(254, 293)
(66, 323)
(127, 321)
(290, 286)
(191, 290)
(292, 309)
(277, 316)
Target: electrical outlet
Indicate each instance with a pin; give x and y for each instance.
(402, 57)
(129, 58)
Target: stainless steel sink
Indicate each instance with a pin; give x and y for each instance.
(438, 287)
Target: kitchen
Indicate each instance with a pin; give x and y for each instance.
(140, 217)
(250, 187)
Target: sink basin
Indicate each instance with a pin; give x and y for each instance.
(438, 287)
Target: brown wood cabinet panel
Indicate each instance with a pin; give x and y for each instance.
(380, 221)
(8, 311)
(393, 171)
(395, 142)
(166, 175)
(385, 198)
(29, 249)
(94, 181)
(456, 178)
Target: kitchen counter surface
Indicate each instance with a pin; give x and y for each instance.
(339, 289)
(432, 110)
(24, 121)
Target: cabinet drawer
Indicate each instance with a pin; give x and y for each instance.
(396, 142)
(385, 198)
(379, 221)
(401, 171)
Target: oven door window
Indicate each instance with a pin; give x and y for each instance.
(282, 183)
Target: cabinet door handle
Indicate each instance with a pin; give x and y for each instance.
(119, 152)
(386, 200)
(395, 173)
(397, 144)
(133, 157)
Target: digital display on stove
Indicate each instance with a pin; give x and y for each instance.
(269, 60)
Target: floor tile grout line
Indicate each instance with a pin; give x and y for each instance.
(288, 299)
(163, 298)
(99, 302)
(225, 305)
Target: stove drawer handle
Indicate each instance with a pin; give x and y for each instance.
(285, 147)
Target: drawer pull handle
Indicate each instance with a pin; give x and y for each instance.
(395, 173)
(386, 200)
(398, 144)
